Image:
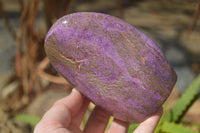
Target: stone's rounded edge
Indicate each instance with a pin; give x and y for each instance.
(58, 62)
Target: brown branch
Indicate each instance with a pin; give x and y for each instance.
(43, 64)
(194, 20)
(21, 3)
(31, 38)
(55, 9)
(120, 7)
(40, 67)
(51, 78)
(19, 41)
(27, 36)
(32, 16)
(40, 72)
(7, 22)
(31, 46)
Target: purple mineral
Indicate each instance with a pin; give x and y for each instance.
(112, 63)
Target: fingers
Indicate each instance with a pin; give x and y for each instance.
(68, 113)
(118, 126)
(60, 115)
(97, 122)
(79, 117)
(149, 125)
(73, 102)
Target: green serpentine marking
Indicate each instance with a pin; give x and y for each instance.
(184, 103)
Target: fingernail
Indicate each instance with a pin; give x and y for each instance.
(75, 90)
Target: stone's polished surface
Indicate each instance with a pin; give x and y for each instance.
(112, 63)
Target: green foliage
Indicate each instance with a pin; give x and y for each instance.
(84, 122)
(184, 103)
(109, 122)
(29, 119)
(158, 128)
(175, 128)
(132, 127)
(192, 124)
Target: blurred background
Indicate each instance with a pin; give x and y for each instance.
(28, 83)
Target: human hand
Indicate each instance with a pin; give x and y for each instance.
(66, 116)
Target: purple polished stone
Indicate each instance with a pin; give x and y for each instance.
(112, 63)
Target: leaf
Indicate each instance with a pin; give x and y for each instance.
(183, 104)
(192, 124)
(132, 127)
(175, 128)
(84, 122)
(29, 119)
(109, 122)
(158, 127)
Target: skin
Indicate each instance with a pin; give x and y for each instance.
(66, 115)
